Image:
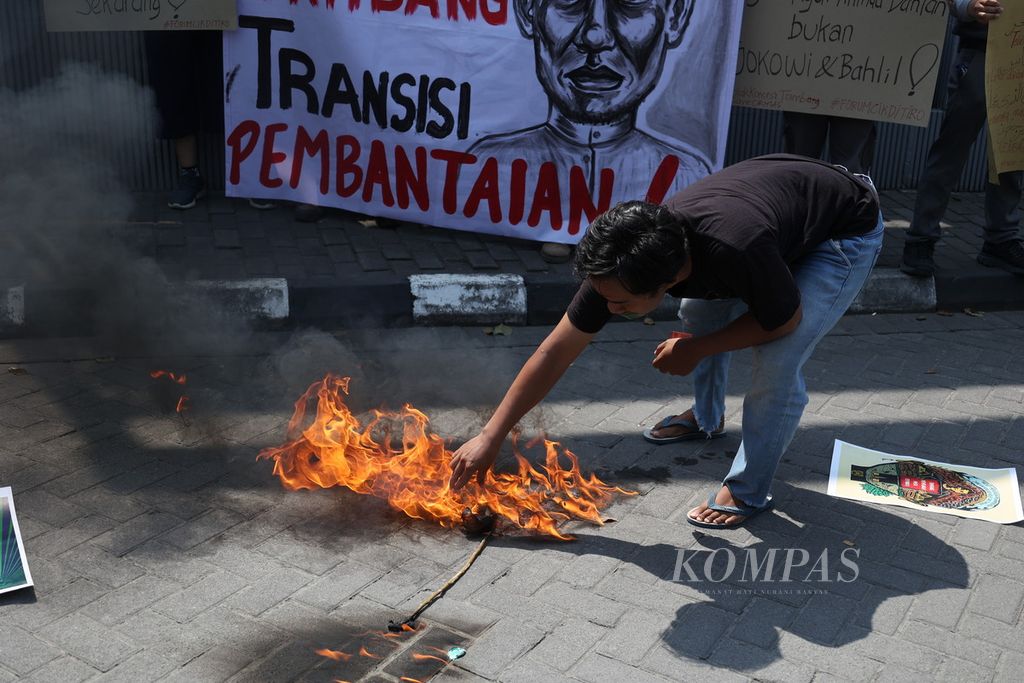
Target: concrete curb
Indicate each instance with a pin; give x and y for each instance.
(382, 300)
(12, 306)
(986, 288)
(467, 299)
(253, 299)
(25, 311)
(888, 290)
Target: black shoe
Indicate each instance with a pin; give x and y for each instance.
(1008, 255)
(918, 259)
(191, 187)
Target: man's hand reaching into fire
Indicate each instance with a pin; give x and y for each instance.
(549, 362)
(476, 456)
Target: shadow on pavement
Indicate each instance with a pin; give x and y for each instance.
(788, 572)
(103, 437)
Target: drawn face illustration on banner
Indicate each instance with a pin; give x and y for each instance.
(539, 117)
(598, 59)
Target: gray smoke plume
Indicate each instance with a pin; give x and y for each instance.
(64, 217)
(65, 226)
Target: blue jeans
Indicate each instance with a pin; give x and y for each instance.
(829, 279)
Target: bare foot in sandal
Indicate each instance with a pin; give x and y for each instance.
(682, 427)
(723, 510)
(674, 430)
(702, 513)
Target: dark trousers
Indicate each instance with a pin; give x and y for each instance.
(965, 117)
(851, 142)
(184, 69)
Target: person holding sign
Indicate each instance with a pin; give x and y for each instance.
(184, 69)
(851, 142)
(965, 117)
(768, 253)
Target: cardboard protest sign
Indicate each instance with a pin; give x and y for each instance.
(512, 117)
(1004, 88)
(973, 492)
(140, 15)
(14, 573)
(865, 59)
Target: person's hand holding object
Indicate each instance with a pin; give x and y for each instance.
(984, 11)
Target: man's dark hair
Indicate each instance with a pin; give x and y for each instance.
(642, 244)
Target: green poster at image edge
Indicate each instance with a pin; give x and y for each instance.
(13, 570)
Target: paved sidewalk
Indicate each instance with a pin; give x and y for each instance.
(165, 551)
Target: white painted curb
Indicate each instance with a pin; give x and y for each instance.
(12, 306)
(468, 299)
(262, 298)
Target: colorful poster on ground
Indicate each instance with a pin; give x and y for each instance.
(140, 15)
(1004, 88)
(512, 117)
(869, 59)
(875, 477)
(14, 573)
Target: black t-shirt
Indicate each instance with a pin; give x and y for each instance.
(749, 223)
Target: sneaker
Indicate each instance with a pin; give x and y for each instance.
(261, 204)
(1008, 255)
(191, 187)
(918, 259)
(552, 252)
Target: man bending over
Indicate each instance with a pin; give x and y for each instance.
(768, 253)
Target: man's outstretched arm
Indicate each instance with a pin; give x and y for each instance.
(539, 374)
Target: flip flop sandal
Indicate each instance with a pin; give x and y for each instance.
(747, 511)
(694, 434)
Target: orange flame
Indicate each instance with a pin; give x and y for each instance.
(335, 449)
(409, 680)
(177, 379)
(425, 658)
(334, 654)
(366, 653)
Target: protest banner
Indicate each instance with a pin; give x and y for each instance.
(1004, 88)
(515, 118)
(863, 59)
(140, 15)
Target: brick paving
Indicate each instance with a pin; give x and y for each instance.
(164, 551)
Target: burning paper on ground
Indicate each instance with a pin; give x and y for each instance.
(974, 492)
(396, 457)
(14, 573)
